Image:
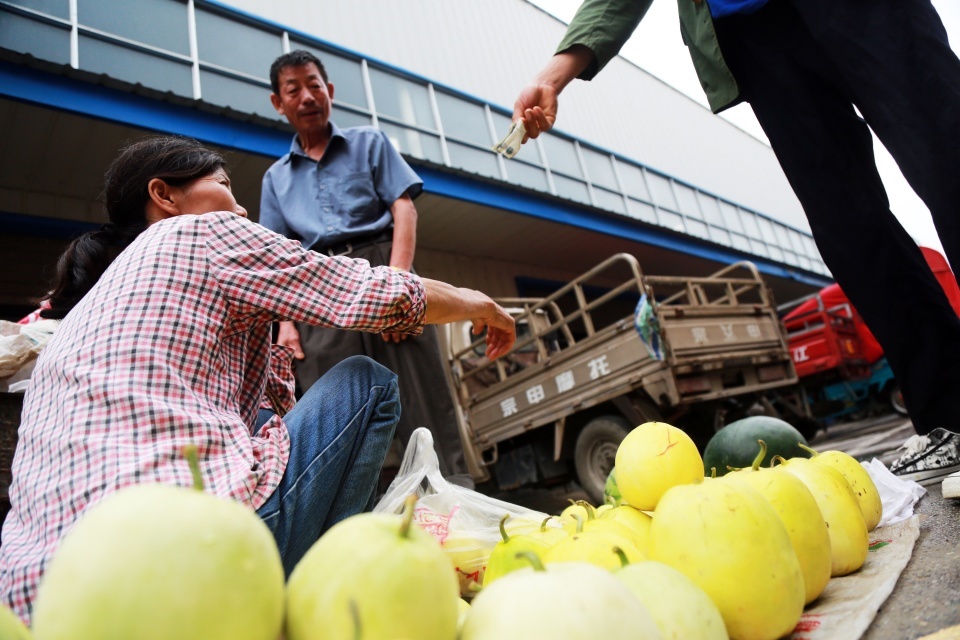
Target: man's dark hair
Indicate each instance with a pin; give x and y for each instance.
(298, 58)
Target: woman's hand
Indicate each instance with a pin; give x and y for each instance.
(446, 303)
(501, 331)
(288, 336)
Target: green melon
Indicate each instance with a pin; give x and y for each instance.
(611, 492)
(736, 444)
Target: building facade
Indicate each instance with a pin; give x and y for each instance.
(633, 166)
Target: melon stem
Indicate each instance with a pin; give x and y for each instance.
(760, 456)
(532, 558)
(591, 512)
(813, 453)
(408, 505)
(193, 459)
(777, 460)
(503, 529)
(579, 522)
(355, 615)
(543, 525)
(623, 557)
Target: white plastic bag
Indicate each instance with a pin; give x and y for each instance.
(21, 343)
(464, 522)
(896, 494)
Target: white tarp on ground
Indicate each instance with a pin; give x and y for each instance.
(848, 605)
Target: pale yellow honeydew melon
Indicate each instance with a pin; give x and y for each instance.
(730, 542)
(860, 481)
(158, 561)
(599, 548)
(849, 539)
(11, 627)
(800, 514)
(681, 609)
(638, 521)
(566, 600)
(654, 457)
(373, 575)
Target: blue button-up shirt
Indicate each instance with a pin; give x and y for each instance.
(346, 194)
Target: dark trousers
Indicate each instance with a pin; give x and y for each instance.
(425, 400)
(803, 65)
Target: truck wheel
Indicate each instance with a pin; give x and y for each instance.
(895, 398)
(595, 453)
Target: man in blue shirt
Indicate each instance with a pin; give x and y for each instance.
(348, 192)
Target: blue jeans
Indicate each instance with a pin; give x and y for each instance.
(340, 431)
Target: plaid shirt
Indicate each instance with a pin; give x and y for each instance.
(172, 346)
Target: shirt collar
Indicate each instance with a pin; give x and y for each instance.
(296, 149)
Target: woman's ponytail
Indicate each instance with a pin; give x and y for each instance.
(175, 160)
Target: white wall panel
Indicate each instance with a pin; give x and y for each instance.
(490, 48)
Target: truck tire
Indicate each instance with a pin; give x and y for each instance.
(595, 453)
(895, 399)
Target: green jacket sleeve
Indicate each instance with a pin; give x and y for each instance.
(603, 26)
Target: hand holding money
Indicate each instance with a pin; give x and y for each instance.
(509, 146)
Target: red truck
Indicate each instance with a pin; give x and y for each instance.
(840, 364)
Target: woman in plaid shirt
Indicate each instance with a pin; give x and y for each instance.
(170, 343)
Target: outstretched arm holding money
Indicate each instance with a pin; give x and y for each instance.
(536, 106)
(594, 37)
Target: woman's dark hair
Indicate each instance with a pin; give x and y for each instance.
(175, 160)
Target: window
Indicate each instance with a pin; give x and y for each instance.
(235, 45)
(58, 8)
(402, 100)
(759, 248)
(166, 27)
(527, 175)
(600, 170)
(661, 191)
(571, 189)
(561, 155)
(671, 220)
(414, 143)
(241, 95)
(750, 224)
(474, 160)
(783, 236)
(687, 199)
(740, 242)
(641, 211)
(711, 209)
(633, 181)
(697, 228)
(346, 118)
(796, 241)
(732, 216)
(464, 120)
(609, 200)
(720, 235)
(766, 230)
(135, 66)
(44, 41)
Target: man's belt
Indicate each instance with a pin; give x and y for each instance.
(351, 245)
